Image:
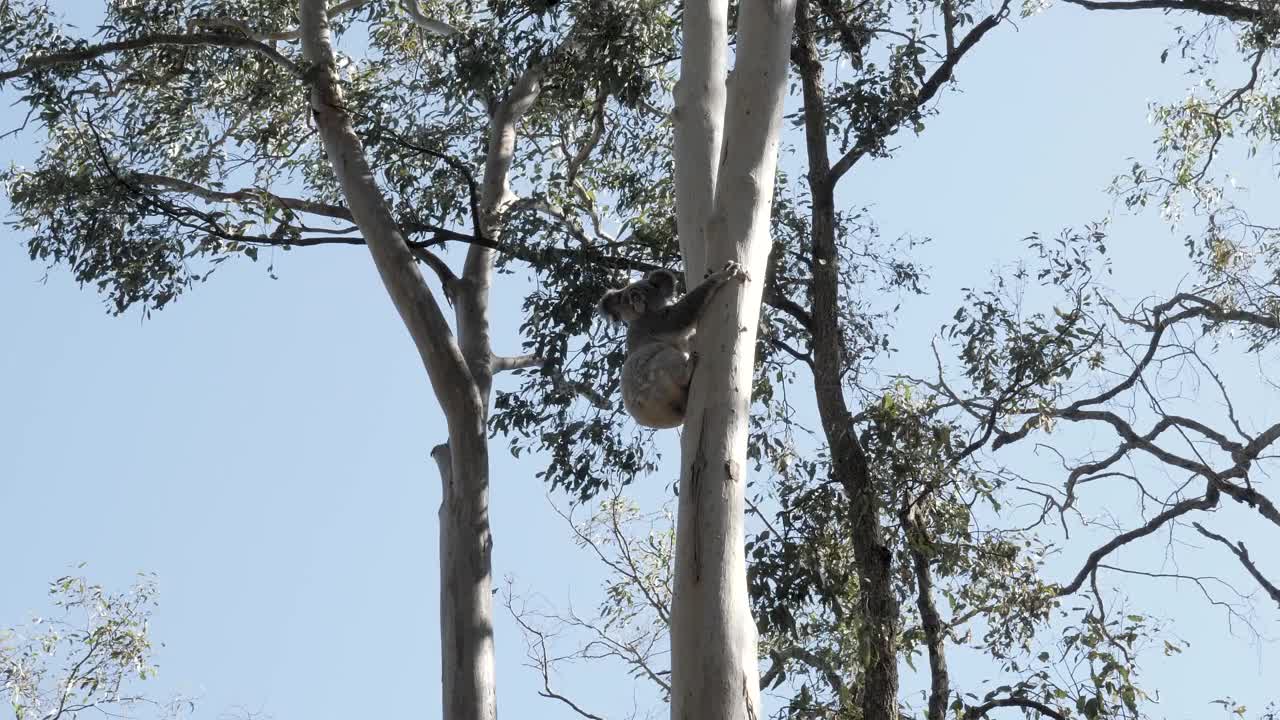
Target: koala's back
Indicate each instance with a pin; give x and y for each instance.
(655, 384)
(656, 329)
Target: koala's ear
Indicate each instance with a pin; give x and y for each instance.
(664, 281)
(609, 305)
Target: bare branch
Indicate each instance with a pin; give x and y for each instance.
(539, 658)
(515, 362)
(1252, 498)
(1209, 500)
(431, 25)
(625, 565)
(448, 281)
(978, 711)
(547, 693)
(1216, 8)
(1241, 552)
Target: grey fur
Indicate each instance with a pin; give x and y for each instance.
(656, 375)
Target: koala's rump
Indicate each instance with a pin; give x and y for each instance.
(655, 385)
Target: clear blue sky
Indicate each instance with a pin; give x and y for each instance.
(262, 445)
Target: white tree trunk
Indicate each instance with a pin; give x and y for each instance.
(714, 664)
(468, 673)
(698, 118)
(465, 540)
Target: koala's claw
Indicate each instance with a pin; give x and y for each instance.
(733, 270)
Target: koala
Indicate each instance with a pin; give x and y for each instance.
(659, 366)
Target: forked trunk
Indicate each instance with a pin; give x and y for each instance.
(714, 664)
(465, 540)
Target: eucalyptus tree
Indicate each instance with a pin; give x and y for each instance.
(898, 532)
(190, 133)
(182, 139)
(429, 128)
(89, 653)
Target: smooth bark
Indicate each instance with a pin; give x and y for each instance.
(698, 119)
(714, 663)
(466, 543)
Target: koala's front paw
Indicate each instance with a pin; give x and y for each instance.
(733, 270)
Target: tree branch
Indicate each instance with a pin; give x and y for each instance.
(435, 27)
(1241, 552)
(808, 657)
(279, 36)
(582, 390)
(262, 197)
(448, 281)
(91, 52)
(440, 235)
(553, 212)
(539, 657)
(949, 26)
(930, 621)
(930, 88)
(244, 195)
(1215, 8)
(392, 256)
(515, 362)
(494, 191)
(589, 143)
(783, 346)
(978, 711)
(776, 300)
(850, 38)
(461, 168)
(1208, 501)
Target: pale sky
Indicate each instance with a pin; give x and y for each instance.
(262, 445)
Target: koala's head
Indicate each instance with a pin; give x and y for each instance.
(640, 297)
